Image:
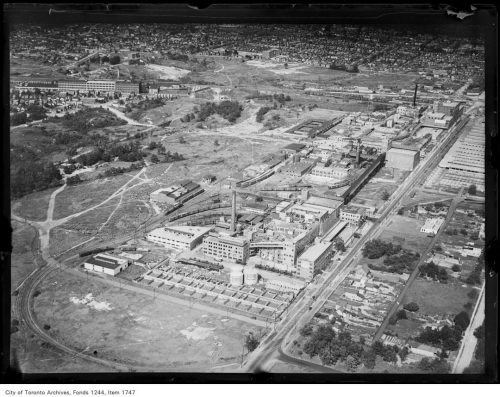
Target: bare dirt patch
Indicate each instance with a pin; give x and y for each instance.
(137, 327)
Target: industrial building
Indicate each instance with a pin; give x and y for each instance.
(98, 86)
(226, 247)
(432, 225)
(352, 215)
(334, 173)
(402, 159)
(177, 194)
(178, 237)
(314, 258)
(105, 263)
(285, 284)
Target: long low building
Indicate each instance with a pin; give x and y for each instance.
(178, 237)
(105, 263)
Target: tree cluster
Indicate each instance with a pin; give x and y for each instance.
(434, 271)
(447, 338)
(87, 119)
(32, 113)
(332, 348)
(30, 173)
(376, 248)
(475, 276)
(230, 110)
(260, 113)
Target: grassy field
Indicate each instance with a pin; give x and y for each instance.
(434, 298)
(409, 229)
(77, 198)
(62, 239)
(24, 239)
(33, 206)
(31, 355)
(135, 329)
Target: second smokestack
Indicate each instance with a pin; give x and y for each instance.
(233, 212)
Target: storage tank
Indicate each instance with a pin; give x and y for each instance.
(251, 276)
(236, 278)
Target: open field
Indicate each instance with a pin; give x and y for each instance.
(77, 198)
(62, 239)
(33, 206)
(135, 329)
(31, 355)
(434, 298)
(24, 240)
(407, 229)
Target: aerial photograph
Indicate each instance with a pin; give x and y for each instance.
(246, 198)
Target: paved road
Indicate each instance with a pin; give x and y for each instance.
(298, 311)
(469, 341)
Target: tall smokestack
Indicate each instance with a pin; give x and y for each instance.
(233, 212)
(415, 96)
(357, 152)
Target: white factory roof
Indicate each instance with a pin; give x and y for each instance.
(315, 251)
(401, 151)
(181, 233)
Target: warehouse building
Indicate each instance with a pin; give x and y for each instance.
(314, 258)
(402, 159)
(105, 263)
(178, 237)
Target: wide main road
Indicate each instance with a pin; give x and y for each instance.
(299, 313)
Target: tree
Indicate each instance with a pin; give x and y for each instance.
(352, 362)
(154, 159)
(411, 307)
(251, 342)
(18, 119)
(456, 268)
(385, 195)
(286, 65)
(182, 140)
(339, 245)
(472, 190)
(306, 330)
(462, 320)
(114, 59)
(216, 142)
(401, 315)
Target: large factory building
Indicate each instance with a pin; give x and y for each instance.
(402, 159)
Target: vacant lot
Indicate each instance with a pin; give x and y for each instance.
(134, 329)
(401, 227)
(24, 241)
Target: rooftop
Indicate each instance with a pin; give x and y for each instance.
(315, 251)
